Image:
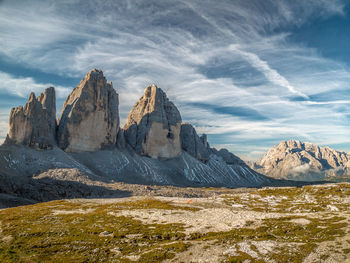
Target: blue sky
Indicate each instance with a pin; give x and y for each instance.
(247, 73)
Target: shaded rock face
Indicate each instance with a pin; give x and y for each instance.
(121, 143)
(34, 124)
(89, 120)
(199, 148)
(193, 144)
(204, 140)
(228, 157)
(303, 161)
(153, 125)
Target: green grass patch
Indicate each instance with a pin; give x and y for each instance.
(40, 235)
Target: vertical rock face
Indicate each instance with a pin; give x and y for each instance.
(153, 125)
(204, 140)
(35, 123)
(90, 119)
(199, 147)
(193, 144)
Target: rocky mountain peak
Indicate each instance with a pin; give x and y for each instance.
(32, 97)
(48, 101)
(94, 75)
(154, 101)
(304, 161)
(34, 124)
(290, 144)
(153, 125)
(90, 119)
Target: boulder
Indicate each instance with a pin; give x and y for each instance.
(153, 125)
(34, 124)
(90, 119)
(193, 144)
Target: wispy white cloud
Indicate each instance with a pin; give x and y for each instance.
(22, 87)
(271, 74)
(225, 54)
(328, 102)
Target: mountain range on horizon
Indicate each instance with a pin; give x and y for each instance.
(304, 161)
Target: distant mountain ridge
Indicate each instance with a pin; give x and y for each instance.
(303, 161)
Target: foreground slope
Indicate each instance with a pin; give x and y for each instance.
(40, 175)
(308, 224)
(304, 161)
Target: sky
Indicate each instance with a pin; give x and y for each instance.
(249, 73)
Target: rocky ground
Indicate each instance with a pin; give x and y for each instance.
(170, 224)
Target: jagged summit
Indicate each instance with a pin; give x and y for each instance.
(153, 125)
(303, 161)
(34, 124)
(90, 119)
(154, 101)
